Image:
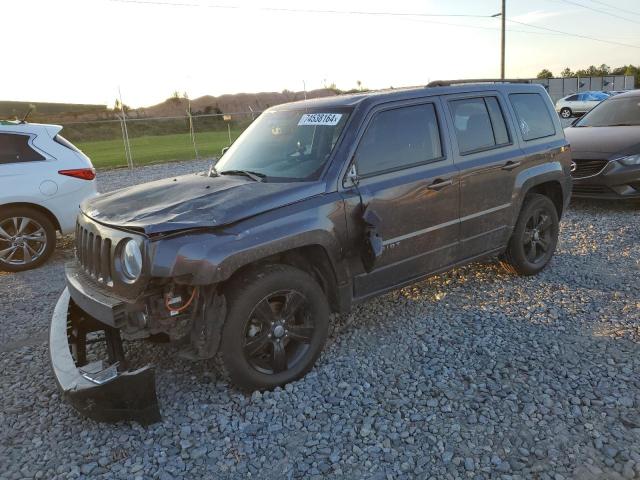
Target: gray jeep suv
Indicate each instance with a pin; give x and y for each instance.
(319, 205)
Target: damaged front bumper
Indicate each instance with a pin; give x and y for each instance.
(103, 392)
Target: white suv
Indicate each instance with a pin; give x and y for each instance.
(579, 103)
(43, 179)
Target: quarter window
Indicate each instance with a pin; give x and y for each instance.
(533, 115)
(15, 148)
(399, 138)
(479, 124)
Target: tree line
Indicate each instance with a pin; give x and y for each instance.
(593, 71)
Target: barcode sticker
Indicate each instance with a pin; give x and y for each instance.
(320, 119)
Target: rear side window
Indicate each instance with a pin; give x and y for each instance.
(533, 116)
(14, 148)
(479, 124)
(399, 138)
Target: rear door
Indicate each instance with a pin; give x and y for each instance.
(489, 160)
(22, 168)
(584, 103)
(407, 177)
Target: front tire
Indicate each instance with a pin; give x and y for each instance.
(276, 327)
(566, 112)
(535, 236)
(27, 238)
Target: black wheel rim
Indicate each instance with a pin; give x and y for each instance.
(22, 241)
(278, 332)
(538, 236)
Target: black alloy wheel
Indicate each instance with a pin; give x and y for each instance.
(278, 332)
(277, 323)
(535, 236)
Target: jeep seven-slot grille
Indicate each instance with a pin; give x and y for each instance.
(586, 168)
(94, 254)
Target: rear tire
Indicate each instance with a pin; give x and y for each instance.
(27, 238)
(566, 112)
(276, 327)
(535, 236)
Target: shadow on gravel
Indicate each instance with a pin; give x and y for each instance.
(584, 204)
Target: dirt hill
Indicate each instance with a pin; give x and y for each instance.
(237, 103)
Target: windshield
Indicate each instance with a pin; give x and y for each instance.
(290, 145)
(615, 111)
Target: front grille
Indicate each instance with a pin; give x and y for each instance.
(586, 168)
(94, 254)
(590, 189)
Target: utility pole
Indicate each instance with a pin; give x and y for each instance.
(504, 20)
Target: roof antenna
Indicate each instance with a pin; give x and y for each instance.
(26, 115)
(304, 87)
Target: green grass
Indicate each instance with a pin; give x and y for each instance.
(155, 149)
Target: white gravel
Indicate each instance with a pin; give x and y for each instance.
(471, 374)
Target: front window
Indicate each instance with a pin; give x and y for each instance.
(286, 145)
(617, 111)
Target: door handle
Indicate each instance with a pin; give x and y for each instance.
(510, 165)
(439, 184)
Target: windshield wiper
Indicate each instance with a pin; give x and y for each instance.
(624, 125)
(255, 176)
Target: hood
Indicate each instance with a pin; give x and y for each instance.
(604, 140)
(194, 201)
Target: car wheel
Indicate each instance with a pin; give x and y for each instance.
(276, 326)
(566, 112)
(535, 236)
(27, 238)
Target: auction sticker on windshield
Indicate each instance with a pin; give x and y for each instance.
(320, 119)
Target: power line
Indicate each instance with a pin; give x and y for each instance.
(408, 15)
(617, 8)
(478, 27)
(577, 35)
(297, 10)
(598, 10)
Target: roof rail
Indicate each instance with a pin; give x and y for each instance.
(447, 83)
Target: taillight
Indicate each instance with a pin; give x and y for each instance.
(81, 173)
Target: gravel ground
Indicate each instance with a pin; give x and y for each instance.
(475, 373)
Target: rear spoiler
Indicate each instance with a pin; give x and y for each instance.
(52, 130)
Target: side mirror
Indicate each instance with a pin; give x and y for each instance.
(224, 150)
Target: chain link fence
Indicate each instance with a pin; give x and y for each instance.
(131, 142)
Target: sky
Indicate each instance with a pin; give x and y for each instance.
(84, 51)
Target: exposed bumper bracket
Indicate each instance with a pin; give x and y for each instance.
(100, 392)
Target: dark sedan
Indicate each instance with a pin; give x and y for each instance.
(606, 149)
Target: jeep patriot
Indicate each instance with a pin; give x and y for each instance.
(317, 206)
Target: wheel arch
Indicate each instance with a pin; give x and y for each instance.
(553, 190)
(36, 207)
(550, 179)
(312, 259)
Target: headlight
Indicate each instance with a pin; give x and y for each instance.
(131, 258)
(630, 160)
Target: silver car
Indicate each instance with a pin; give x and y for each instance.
(579, 103)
